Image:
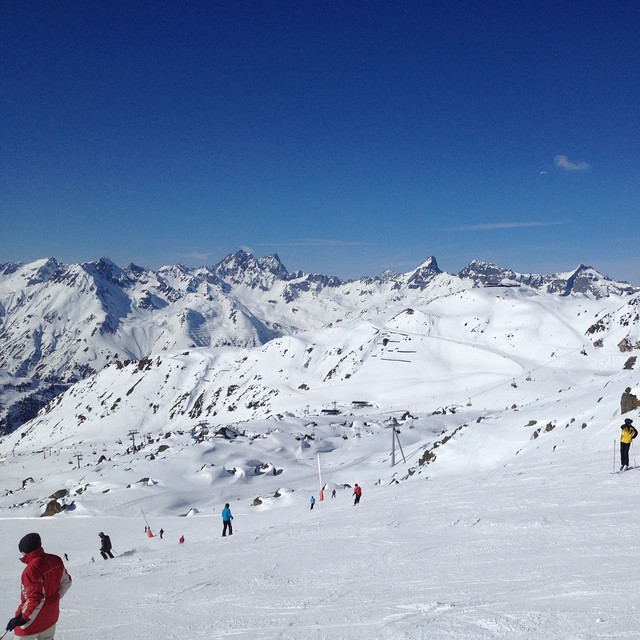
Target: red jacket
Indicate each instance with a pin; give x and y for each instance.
(44, 582)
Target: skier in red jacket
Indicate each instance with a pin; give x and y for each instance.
(44, 581)
(357, 492)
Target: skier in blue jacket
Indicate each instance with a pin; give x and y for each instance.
(226, 520)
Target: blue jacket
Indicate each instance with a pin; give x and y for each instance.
(313, 500)
(226, 514)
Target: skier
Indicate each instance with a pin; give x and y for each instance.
(226, 520)
(161, 533)
(105, 546)
(627, 434)
(312, 502)
(181, 541)
(44, 581)
(357, 492)
(333, 493)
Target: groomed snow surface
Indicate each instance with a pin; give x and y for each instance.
(544, 546)
(544, 550)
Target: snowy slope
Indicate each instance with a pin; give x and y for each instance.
(501, 536)
(500, 519)
(474, 344)
(461, 358)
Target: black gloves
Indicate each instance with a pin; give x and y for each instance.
(18, 621)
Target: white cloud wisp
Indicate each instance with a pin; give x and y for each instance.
(563, 162)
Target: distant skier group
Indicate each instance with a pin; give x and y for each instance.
(357, 493)
(45, 579)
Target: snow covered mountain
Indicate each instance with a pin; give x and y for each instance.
(62, 323)
(582, 280)
(485, 348)
(500, 518)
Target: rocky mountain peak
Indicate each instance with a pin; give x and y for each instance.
(243, 268)
(586, 280)
(273, 264)
(482, 273)
(430, 264)
(424, 274)
(43, 271)
(105, 268)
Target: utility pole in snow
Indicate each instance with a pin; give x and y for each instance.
(320, 492)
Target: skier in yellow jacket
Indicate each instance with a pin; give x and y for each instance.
(627, 434)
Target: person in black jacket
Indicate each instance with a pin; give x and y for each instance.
(105, 546)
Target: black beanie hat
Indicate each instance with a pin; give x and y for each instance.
(30, 543)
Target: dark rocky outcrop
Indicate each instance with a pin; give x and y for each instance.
(628, 401)
(53, 508)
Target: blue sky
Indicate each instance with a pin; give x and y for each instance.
(348, 137)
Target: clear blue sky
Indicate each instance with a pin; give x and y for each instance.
(348, 137)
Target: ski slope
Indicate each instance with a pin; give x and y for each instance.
(516, 527)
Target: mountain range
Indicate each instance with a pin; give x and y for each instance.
(60, 324)
(479, 413)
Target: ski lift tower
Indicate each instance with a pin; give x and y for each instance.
(132, 435)
(395, 438)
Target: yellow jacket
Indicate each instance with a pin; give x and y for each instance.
(627, 434)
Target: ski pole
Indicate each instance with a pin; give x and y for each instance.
(4, 634)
